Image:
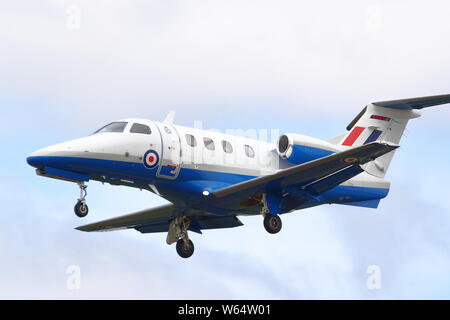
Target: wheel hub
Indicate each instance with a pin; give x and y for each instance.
(273, 223)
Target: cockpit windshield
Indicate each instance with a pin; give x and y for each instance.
(113, 127)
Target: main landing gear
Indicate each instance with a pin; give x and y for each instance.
(272, 223)
(81, 209)
(178, 232)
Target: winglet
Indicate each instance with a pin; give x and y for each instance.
(170, 118)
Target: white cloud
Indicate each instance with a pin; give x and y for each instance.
(144, 57)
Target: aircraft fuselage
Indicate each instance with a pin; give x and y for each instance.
(183, 164)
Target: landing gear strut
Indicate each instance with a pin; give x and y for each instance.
(178, 232)
(272, 223)
(81, 209)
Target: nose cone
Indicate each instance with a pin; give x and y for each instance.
(38, 158)
(33, 161)
(48, 155)
(60, 155)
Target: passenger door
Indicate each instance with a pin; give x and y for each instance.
(170, 163)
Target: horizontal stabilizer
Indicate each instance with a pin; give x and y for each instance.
(415, 103)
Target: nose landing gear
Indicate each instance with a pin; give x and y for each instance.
(81, 209)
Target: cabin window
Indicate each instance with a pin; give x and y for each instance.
(209, 144)
(191, 141)
(227, 147)
(249, 151)
(113, 127)
(140, 128)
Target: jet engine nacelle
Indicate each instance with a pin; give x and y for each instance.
(297, 149)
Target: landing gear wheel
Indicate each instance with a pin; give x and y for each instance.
(272, 223)
(185, 249)
(81, 209)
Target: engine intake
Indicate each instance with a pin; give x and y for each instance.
(297, 149)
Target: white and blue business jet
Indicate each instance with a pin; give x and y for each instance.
(211, 178)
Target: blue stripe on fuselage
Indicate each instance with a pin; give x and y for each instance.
(190, 182)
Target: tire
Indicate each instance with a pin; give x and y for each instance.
(183, 250)
(81, 209)
(272, 223)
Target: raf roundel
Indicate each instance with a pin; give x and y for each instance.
(151, 159)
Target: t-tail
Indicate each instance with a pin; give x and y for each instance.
(386, 121)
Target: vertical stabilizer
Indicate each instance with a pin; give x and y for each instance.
(385, 121)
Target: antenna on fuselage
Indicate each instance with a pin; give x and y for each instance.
(170, 118)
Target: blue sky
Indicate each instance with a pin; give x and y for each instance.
(287, 65)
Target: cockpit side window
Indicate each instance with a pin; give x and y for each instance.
(113, 127)
(140, 128)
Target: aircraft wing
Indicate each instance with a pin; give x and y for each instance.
(312, 172)
(158, 220)
(149, 216)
